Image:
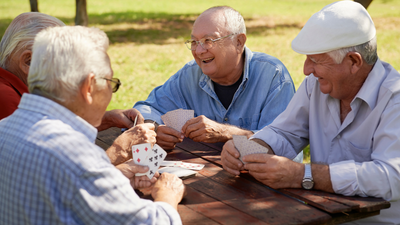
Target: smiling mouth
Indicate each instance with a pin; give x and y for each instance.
(207, 60)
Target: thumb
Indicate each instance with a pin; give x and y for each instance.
(141, 169)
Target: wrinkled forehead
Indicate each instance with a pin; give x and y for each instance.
(209, 24)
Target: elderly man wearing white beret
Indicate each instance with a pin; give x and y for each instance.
(347, 109)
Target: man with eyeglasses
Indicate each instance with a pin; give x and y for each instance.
(51, 170)
(232, 90)
(346, 109)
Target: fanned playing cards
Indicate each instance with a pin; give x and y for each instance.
(177, 118)
(247, 147)
(145, 155)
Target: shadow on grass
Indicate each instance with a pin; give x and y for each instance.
(156, 28)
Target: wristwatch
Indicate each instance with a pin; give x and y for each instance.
(308, 182)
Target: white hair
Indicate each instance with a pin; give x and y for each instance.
(367, 50)
(234, 22)
(62, 59)
(22, 31)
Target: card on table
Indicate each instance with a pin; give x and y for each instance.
(177, 118)
(247, 147)
(180, 172)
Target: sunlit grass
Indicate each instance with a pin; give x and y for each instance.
(146, 37)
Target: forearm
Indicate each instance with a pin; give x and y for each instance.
(322, 178)
(106, 121)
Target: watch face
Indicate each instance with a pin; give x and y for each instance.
(307, 184)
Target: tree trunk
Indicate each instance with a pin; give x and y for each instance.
(364, 3)
(34, 5)
(81, 17)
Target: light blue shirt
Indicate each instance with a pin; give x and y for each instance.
(51, 172)
(363, 152)
(265, 91)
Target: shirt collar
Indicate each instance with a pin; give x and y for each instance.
(369, 90)
(54, 110)
(14, 81)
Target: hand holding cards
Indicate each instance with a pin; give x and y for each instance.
(247, 147)
(177, 118)
(144, 155)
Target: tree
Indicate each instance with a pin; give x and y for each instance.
(81, 17)
(34, 6)
(364, 3)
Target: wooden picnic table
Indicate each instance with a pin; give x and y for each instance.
(215, 196)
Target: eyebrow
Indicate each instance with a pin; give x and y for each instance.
(205, 36)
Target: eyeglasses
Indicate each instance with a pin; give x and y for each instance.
(115, 83)
(206, 43)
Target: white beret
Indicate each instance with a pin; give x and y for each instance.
(338, 25)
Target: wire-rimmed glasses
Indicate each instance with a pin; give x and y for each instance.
(205, 43)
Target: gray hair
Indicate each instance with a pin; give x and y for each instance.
(62, 59)
(367, 50)
(234, 21)
(21, 33)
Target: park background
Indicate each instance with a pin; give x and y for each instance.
(147, 37)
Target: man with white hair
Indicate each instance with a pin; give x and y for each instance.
(15, 57)
(346, 109)
(51, 170)
(232, 90)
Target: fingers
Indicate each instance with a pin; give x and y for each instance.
(229, 158)
(167, 137)
(133, 114)
(168, 188)
(142, 133)
(257, 158)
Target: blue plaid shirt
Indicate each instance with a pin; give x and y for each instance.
(51, 172)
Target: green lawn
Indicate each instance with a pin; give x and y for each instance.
(147, 36)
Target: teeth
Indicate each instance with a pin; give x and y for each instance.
(207, 59)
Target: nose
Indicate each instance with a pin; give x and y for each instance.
(200, 49)
(308, 67)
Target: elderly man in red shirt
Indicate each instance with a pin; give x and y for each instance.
(15, 57)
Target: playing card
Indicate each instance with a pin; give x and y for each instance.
(177, 118)
(154, 160)
(140, 153)
(247, 147)
(170, 163)
(192, 166)
(180, 172)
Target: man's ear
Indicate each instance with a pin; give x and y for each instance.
(356, 61)
(241, 41)
(87, 89)
(25, 61)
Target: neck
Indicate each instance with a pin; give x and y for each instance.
(234, 75)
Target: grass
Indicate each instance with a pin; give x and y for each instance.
(146, 37)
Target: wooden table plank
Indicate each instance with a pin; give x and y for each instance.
(334, 203)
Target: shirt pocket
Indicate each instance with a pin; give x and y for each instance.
(250, 123)
(359, 154)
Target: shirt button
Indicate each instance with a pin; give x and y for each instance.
(226, 119)
(338, 137)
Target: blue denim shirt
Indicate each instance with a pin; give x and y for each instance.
(264, 93)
